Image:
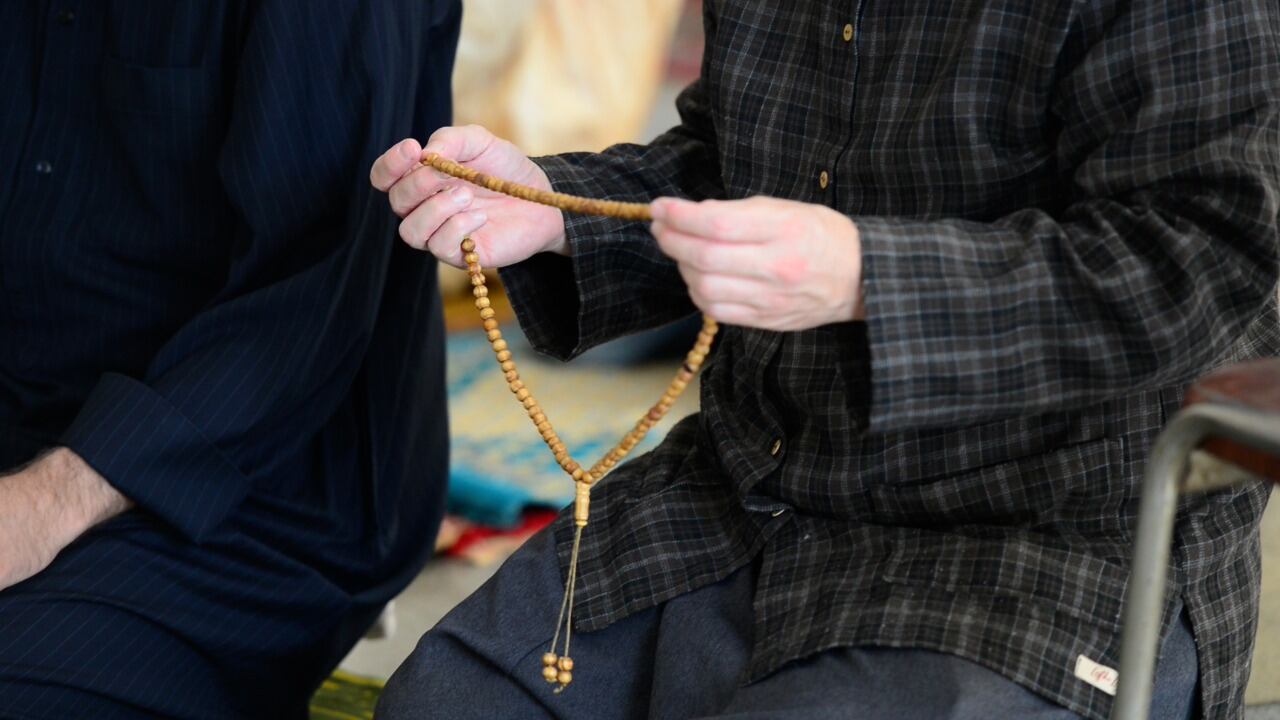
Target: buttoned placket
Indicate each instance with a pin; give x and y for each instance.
(63, 17)
(845, 41)
(825, 182)
(37, 177)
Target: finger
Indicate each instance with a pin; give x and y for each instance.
(750, 221)
(392, 165)
(417, 187)
(733, 314)
(692, 284)
(715, 289)
(461, 143)
(446, 243)
(710, 256)
(423, 222)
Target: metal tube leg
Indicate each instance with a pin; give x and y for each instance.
(1145, 593)
(1144, 598)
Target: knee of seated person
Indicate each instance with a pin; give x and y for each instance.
(430, 674)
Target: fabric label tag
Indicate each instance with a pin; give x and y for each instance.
(1097, 675)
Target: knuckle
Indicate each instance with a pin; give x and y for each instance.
(406, 234)
(703, 285)
(422, 182)
(396, 206)
(794, 224)
(689, 275)
(704, 256)
(454, 229)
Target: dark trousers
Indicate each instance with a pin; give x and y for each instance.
(133, 622)
(684, 659)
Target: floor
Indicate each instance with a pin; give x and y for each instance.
(443, 584)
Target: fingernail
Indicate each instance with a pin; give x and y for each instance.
(406, 150)
(478, 219)
(461, 196)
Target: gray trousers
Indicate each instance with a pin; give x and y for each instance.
(685, 659)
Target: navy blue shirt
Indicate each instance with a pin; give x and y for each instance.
(199, 291)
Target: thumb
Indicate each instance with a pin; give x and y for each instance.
(460, 143)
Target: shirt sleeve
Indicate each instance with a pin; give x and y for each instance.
(616, 280)
(260, 370)
(1163, 255)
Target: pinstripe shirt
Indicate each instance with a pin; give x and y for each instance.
(1067, 211)
(201, 295)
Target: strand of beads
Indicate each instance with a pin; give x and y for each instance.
(558, 667)
(568, 203)
(502, 353)
(692, 363)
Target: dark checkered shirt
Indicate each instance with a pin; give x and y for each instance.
(1067, 211)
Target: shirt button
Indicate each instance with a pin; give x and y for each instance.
(848, 33)
(824, 179)
(44, 167)
(776, 447)
(66, 17)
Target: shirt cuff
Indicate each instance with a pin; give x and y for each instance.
(928, 362)
(545, 298)
(155, 456)
(559, 301)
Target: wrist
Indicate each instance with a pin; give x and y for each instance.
(559, 246)
(83, 498)
(855, 309)
(852, 307)
(559, 243)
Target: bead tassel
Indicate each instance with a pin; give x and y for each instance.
(557, 668)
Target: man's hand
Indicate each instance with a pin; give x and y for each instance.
(45, 506)
(763, 262)
(439, 210)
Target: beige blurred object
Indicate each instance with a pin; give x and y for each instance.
(560, 75)
(1264, 685)
(453, 281)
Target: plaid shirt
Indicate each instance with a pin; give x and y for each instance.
(1067, 211)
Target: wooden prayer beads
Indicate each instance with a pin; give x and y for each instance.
(585, 478)
(558, 668)
(568, 203)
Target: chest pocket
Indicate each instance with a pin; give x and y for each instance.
(162, 127)
(173, 33)
(160, 83)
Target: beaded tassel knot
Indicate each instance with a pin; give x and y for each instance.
(557, 665)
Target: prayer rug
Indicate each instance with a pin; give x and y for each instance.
(345, 696)
(499, 463)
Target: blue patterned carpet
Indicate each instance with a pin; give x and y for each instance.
(500, 464)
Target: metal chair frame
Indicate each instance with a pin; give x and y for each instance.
(1167, 477)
